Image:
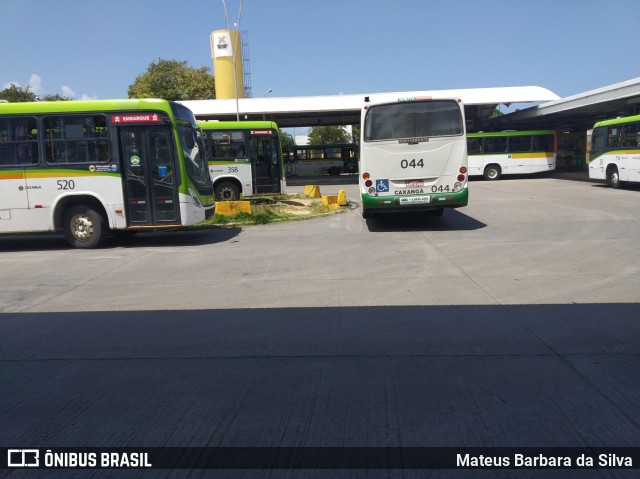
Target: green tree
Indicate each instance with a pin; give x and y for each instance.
(286, 140)
(495, 113)
(326, 135)
(16, 93)
(56, 97)
(355, 133)
(173, 80)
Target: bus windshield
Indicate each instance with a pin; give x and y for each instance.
(396, 121)
(195, 161)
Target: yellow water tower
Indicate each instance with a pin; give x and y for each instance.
(226, 50)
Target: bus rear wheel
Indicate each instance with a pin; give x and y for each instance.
(84, 227)
(492, 172)
(227, 191)
(613, 178)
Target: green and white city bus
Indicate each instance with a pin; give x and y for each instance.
(413, 156)
(511, 153)
(87, 167)
(615, 151)
(245, 158)
(314, 160)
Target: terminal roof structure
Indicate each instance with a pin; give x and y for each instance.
(310, 111)
(575, 113)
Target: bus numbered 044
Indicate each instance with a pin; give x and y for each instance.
(85, 168)
(511, 153)
(615, 151)
(244, 158)
(413, 156)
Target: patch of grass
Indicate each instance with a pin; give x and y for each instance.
(271, 209)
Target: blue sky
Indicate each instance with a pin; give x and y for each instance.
(96, 49)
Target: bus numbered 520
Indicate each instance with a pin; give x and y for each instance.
(87, 168)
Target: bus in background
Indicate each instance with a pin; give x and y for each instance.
(244, 158)
(315, 160)
(87, 167)
(413, 156)
(615, 151)
(511, 153)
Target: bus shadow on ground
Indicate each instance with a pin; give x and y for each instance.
(451, 220)
(157, 239)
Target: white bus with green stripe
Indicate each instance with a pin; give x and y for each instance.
(615, 151)
(413, 156)
(86, 168)
(245, 158)
(511, 153)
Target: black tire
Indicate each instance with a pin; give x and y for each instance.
(613, 178)
(227, 191)
(366, 214)
(84, 227)
(352, 167)
(492, 172)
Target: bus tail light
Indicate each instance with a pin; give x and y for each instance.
(366, 175)
(463, 171)
(368, 183)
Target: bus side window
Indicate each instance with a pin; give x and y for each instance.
(19, 141)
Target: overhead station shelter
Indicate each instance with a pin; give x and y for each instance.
(310, 111)
(574, 113)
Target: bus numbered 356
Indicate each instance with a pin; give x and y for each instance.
(86, 168)
(245, 158)
(615, 151)
(511, 153)
(413, 156)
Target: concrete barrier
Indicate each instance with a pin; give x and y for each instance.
(331, 202)
(342, 198)
(232, 208)
(312, 191)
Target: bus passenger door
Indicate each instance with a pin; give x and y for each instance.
(15, 154)
(14, 204)
(150, 176)
(266, 164)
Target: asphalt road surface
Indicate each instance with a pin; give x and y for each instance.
(513, 322)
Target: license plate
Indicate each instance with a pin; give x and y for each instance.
(415, 200)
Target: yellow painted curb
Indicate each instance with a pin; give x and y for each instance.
(232, 208)
(342, 198)
(312, 191)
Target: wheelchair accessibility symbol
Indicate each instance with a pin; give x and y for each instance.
(382, 186)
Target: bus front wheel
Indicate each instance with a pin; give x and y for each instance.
(227, 191)
(492, 172)
(613, 178)
(84, 227)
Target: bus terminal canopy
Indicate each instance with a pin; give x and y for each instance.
(309, 111)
